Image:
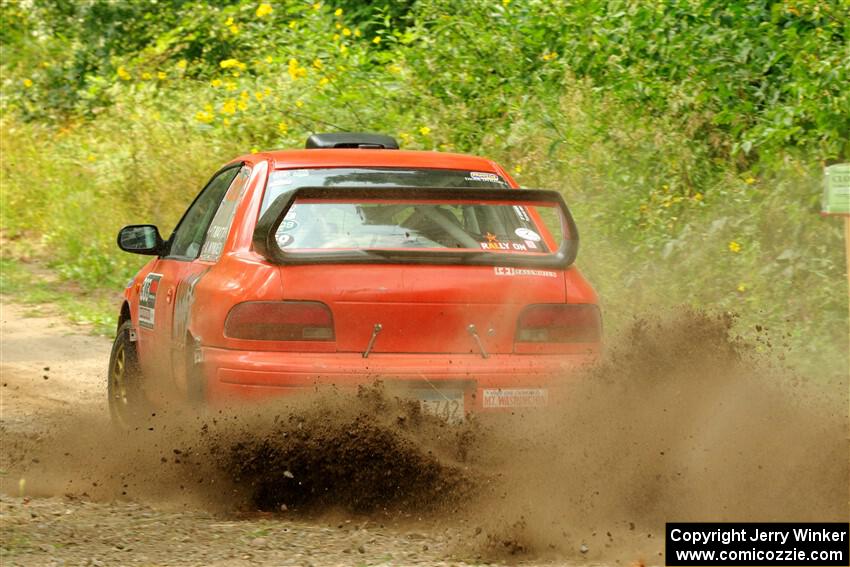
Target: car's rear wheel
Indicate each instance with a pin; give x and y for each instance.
(128, 405)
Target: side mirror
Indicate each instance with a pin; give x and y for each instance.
(141, 239)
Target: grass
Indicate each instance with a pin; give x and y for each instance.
(31, 285)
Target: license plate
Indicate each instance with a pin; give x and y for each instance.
(447, 405)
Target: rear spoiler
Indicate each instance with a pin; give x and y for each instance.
(265, 243)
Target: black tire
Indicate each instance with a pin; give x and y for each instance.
(128, 404)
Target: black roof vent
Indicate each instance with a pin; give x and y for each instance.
(351, 140)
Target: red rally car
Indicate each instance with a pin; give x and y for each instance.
(352, 261)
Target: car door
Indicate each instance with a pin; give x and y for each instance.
(212, 247)
(180, 264)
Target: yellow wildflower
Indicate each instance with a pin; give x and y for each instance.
(182, 64)
(226, 121)
(734, 247)
(232, 64)
(357, 33)
(228, 21)
(269, 59)
(282, 127)
(376, 40)
(343, 48)
(317, 63)
(336, 37)
(91, 158)
(229, 106)
(242, 104)
(204, 116)
(394, 68)
(234, 29)
(405, 137)
(698, 197)
(346, 32)
(259, 96)
(742, 287)
(338, 26)
(299, 103)
(517, 168)
(750, 180)
(264, 10)
(424, 130)
(267, 91)
(324, 81)
(338, 12)
(27, 83)
(123, 74)
(255, 149)
(549, 56)
(230, 86)
(295, 70)
(317, 6)
(215, 83)
(146, 76)
(161, 75)
(505, 2)
(292, 24)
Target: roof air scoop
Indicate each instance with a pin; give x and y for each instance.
(355, 140)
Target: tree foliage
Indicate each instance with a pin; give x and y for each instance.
(744, 76)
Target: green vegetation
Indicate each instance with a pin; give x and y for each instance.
(688, 136)
(28, 284)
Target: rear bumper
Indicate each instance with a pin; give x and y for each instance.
(500, 382)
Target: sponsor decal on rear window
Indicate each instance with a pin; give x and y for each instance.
(522, 213)
(484, 176)
(492, 243)
(527, 234)
(147, 300)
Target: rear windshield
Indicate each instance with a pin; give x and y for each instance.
(376, 224)
(287, 179)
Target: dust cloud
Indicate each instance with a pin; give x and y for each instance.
(681, 421)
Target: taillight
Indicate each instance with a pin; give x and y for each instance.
(559, 324)
(280, 321)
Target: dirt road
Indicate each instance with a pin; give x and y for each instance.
(52, 372)
(683, 419)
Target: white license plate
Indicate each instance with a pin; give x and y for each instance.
(447, 405)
